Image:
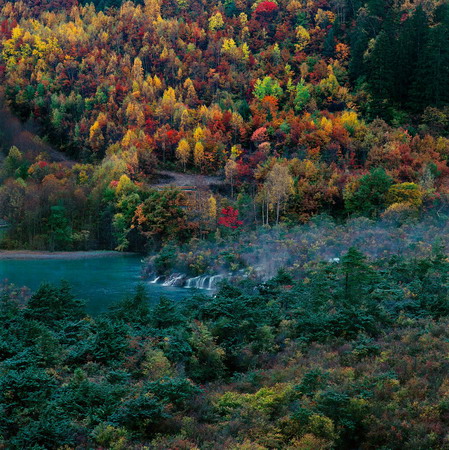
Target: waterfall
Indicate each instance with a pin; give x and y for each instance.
(214, 280)
(208, 282)
(192, 283)
(155, 280)
(176, 279)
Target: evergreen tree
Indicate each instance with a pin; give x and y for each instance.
(432, 74)
(381, 70)
(412, 41)
(52, 305)
(133, 309)
(166, 314)
(370, 196)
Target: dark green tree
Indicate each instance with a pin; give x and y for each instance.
(381, 71)
(166, 314)
(133, 309)
(59, 229)
(432, 73)
(370, 196)
(52, 305)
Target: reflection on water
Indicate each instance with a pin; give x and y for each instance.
(99, 281)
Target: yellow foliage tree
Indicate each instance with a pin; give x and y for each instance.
(153, 9)
(183, 152)
(124, 185)
(198, 154)
(245, 51)
(279, 186)
(228, 45)
(137, 70)
(212, 207)
(303, 37)
(198, 134)
(408, 193)
(157, 83)
(96, 137)
(231, 172)
(216, 22)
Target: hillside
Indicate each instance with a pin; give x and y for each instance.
(282, 167)
(304, 109)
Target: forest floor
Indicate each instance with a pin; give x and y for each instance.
(29, 254)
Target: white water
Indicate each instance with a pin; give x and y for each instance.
(208, 282)
(173, 280)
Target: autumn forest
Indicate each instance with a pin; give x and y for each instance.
(288, 160)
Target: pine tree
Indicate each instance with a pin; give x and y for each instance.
(381, 72)
(166, 314)
(411, 43)
(432, 74)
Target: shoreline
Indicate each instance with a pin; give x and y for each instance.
(37, 254)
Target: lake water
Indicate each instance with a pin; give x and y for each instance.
(99, 281)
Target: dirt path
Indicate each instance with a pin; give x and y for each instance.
(169, 178)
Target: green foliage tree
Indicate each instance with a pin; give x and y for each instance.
(52, 305)
(302, 96)
(369, 196)
(60, 231)
(267, 86)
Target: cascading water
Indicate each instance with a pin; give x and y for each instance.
(195, 283)
(214, 280)
(175, 279)
(156, 280)
(208, 282)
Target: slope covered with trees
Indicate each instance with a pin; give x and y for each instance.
(303, 108)
(328, 123)
(352, 355)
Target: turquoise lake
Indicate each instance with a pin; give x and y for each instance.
(99, 281)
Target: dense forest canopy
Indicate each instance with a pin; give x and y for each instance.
(354, 355)
(304, 107)
(255, 140)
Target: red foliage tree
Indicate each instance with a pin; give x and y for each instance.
(266, 8)
(229, 218)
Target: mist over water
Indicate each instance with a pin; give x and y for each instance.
(261, 253)
(103, 281)
(324, 240)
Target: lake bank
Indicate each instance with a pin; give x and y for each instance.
(31, 254)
